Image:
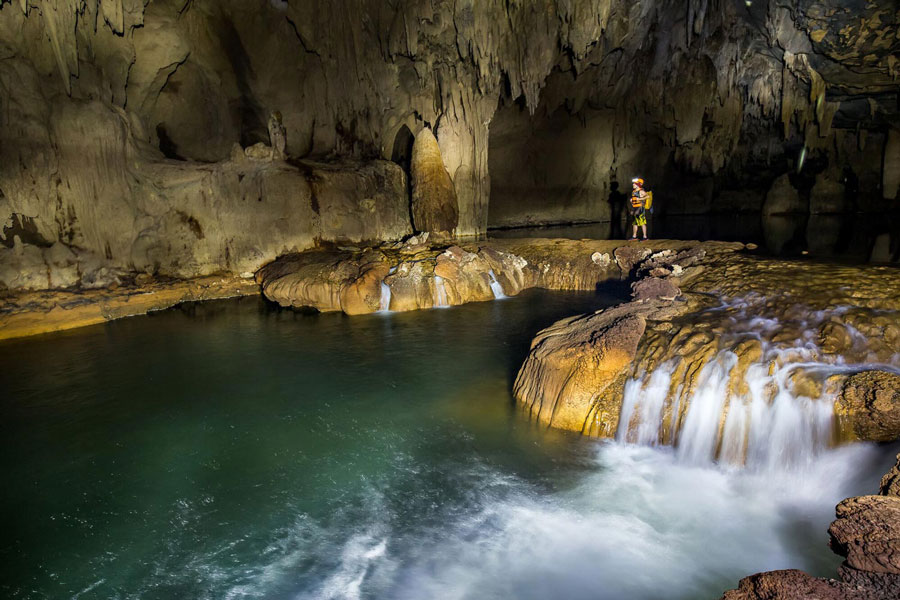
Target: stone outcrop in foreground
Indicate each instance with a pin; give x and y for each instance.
(867, 534)
(751, 317)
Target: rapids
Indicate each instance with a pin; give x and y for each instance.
(771, 408)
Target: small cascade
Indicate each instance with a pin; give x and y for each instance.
(385, 305)
(770, 427)
(440, 293)
(495, 285)
(768, 411)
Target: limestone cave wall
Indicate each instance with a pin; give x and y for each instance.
(787, 107)
(130, 130)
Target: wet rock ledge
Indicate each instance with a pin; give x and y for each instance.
(418, 275)
(693, 313)
(45, 311)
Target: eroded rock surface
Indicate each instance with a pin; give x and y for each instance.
(869, 405)
(417, 273)
(733, 318)
(792, 584)
(580, 363)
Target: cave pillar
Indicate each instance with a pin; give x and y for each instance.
(783, 199)
(464, 146)
(891, 169)
(434, 204)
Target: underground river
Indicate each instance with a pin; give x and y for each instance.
(229, 450)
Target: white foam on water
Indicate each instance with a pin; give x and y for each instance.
(641, 524)
(495, 286)
(360, 553)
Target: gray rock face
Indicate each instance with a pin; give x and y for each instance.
(118, 117)
(783, 199)
(892, 164)
(828, 195)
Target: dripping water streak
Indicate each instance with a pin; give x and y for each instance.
(440, 293)
(495, 286)
(385, 305)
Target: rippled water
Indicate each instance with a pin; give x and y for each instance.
(226, 450)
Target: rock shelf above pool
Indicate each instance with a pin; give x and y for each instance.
(716, 348)
(419, 275)
(44, 311)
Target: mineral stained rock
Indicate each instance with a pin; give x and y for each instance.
(576, 369)
(699, 298)
(319, 278)
(186, 219)
(869, 406)
(32, 313)
(792, 584)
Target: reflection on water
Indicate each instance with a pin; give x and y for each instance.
(850, 237)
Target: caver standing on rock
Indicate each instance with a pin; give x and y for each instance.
(277, 135)
(640, 203)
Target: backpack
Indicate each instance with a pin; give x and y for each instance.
(648, 202)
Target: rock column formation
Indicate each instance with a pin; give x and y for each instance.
(434, 206)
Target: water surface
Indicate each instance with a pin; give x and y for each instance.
(228, 450)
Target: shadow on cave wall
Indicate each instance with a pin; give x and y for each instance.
(252, 116)
(401, 153)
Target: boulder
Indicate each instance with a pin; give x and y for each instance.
(62, 266)
(259, 151)
(867, 534)
(783, 198)
(576, 368)
(627, 257)
(465, 276)
(434, 204)
(791, 584)
(868, 407)
(22, 267)
(411, 286)
(102, 277)
(654, 288)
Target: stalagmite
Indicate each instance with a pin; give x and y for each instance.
(434, 206)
